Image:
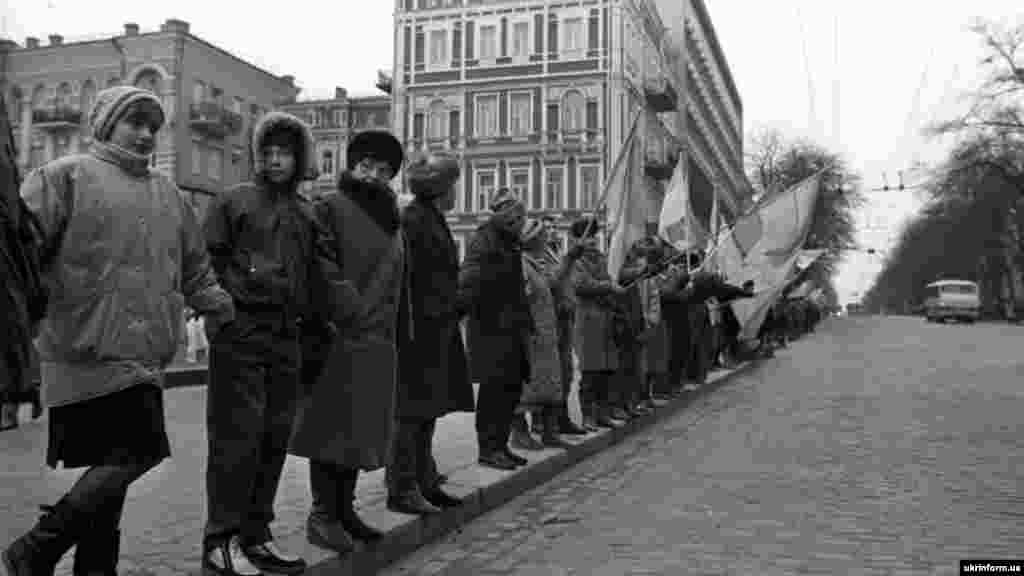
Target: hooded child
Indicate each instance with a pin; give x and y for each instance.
(123, 254)
(345, 423)
(276, 261)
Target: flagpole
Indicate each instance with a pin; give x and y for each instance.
(608, 181)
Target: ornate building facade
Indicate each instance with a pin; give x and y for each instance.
(539, 95)
(211, 98)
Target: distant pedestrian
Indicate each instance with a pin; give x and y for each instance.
(125, 254)
(270, 253)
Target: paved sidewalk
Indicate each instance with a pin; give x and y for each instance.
(166, 508)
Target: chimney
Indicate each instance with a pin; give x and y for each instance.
(175, 25)
(31, 42)
(340, 93)
(289, 79)
(6, 45)
(131, 29)
(56, 39)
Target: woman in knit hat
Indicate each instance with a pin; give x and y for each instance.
(491, 289)
(124, 255)
(546, 275)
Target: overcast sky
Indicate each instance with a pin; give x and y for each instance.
(875, 71)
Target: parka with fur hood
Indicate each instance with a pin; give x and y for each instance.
(266, 246)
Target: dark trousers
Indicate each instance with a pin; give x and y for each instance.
(249, 415)
(679, 348)
(412, 465)
(594, 388)
(97, 498)
(630, 377)
(496, 405)
(333, 489)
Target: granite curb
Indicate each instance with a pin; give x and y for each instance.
(483, 490)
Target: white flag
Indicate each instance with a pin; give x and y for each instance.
(678, 224)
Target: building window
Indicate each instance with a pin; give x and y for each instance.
(197, 157)
(198, 92)
(574, 111)
(520, 113)
(590, 184)
(554, 187)
(521, 39)
(573, 42)
(437, 120)
(215, 167)
(519, 183)
(488, 48)
(485, 182)
(439, 49)
(327, 162)
(487, 116)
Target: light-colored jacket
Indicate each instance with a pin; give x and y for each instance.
(128, 256)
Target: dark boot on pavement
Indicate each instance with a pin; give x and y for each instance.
(549, 435)
(97, 553)
(411, 502)
(590, 414)
(521, 437)
(519, 460)
(440, 498)
(347, 512)
(605, 419)
(565, 424)
(497, 460)
(325, 532)
(38, 552)
(268, 557)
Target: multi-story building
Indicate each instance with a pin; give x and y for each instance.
(334, 122)
(539, 95)
(211, 98)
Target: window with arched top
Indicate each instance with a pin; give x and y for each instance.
(149, 80)
(573, 110)
(87, 96)
(437, 120)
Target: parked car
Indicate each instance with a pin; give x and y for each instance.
(952, 299)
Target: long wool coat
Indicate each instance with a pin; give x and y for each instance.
(433, 370)
(594, 336)
(346, 415)
(544, 387)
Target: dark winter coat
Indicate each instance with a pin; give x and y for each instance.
(492, 290)
(346, 414)
(594, 329)
(433, 371)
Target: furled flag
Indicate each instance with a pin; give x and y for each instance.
(625, 201)
(678, 223)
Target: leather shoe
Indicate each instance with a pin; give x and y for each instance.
(412, 503)
(441, 499)
(519, 460)
(324, 532)
(497, 460)
(569, 428)
(268, 557)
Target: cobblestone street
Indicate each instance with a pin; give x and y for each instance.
(874, 446)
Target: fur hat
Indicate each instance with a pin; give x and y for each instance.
(378, 145)
(275, 122)
(112, 103)
(432, 175)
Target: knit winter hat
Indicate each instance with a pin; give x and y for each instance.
(504, 200)
(112, 103)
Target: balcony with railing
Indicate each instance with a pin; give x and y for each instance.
(214, 120)
(57, 117)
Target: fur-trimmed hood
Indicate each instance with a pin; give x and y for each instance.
(306, 165)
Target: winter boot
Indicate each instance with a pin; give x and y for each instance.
(521, 437)
(97, 553)
(347, 512)
(38, 552)
(323, 527)
(549, 433)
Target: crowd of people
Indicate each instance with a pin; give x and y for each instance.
(339, 331)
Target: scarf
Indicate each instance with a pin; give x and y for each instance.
(377, 200)
(130, 162)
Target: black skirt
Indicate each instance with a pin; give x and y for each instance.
(123, 428)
